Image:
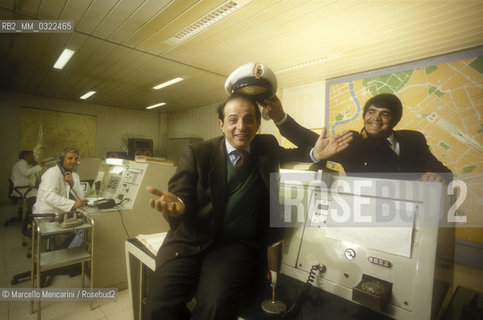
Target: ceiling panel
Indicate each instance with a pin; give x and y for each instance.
(119, 71)
(240, 33)
(137, 20)
(45, 60)
(95, 15)
(156, 27)
(25, 70)
(106, 54)
(75, 42)
(27, 7)
(7, 4)
(75, 10)
(52, 9)
(72, 71)
(116, 17)
(122, 49)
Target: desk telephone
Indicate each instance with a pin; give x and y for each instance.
(105, 203)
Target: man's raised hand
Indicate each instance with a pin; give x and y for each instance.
(167, 203)
(273, 107)
(326, 147)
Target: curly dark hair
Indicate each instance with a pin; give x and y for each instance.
(386, 100)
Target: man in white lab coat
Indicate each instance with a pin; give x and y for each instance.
(60, 190)
(25, 174)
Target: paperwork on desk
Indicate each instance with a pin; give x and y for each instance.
(152, 242)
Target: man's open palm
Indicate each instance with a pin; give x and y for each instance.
(326, 147)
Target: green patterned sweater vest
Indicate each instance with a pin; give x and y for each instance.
(245, 192)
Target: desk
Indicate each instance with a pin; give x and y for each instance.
(141, 263)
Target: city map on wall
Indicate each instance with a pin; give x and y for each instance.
(443, 99)
(55, 131)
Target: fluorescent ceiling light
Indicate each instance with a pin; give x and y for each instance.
(87, 95)
(209, 19)
(308, 63)
(168, 83)
(156, 105)
(64, 58)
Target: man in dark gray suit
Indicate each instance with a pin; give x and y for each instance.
(218, 211)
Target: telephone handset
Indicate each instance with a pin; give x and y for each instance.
(60, 164)
(71, 218)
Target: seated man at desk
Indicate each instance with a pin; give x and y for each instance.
(25, 173)
(376, 148)
(60, 190)
(218, 210)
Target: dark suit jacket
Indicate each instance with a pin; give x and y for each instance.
(200, 182)
(364, 155)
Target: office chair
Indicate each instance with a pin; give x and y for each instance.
(18, 200)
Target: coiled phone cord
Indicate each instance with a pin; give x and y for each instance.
(292, 312)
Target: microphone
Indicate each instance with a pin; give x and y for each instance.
(273, 306)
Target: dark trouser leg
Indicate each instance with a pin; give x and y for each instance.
(30, 204)
(172, 286)
(225, 274)
(27, 223)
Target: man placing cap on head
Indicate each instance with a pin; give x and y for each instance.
(218, 209)
(377, 148)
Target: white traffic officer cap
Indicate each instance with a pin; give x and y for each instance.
(252, 79)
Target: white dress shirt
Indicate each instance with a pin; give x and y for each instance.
(24, 175)
(233, 156)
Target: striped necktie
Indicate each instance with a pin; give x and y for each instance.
(242, 158)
